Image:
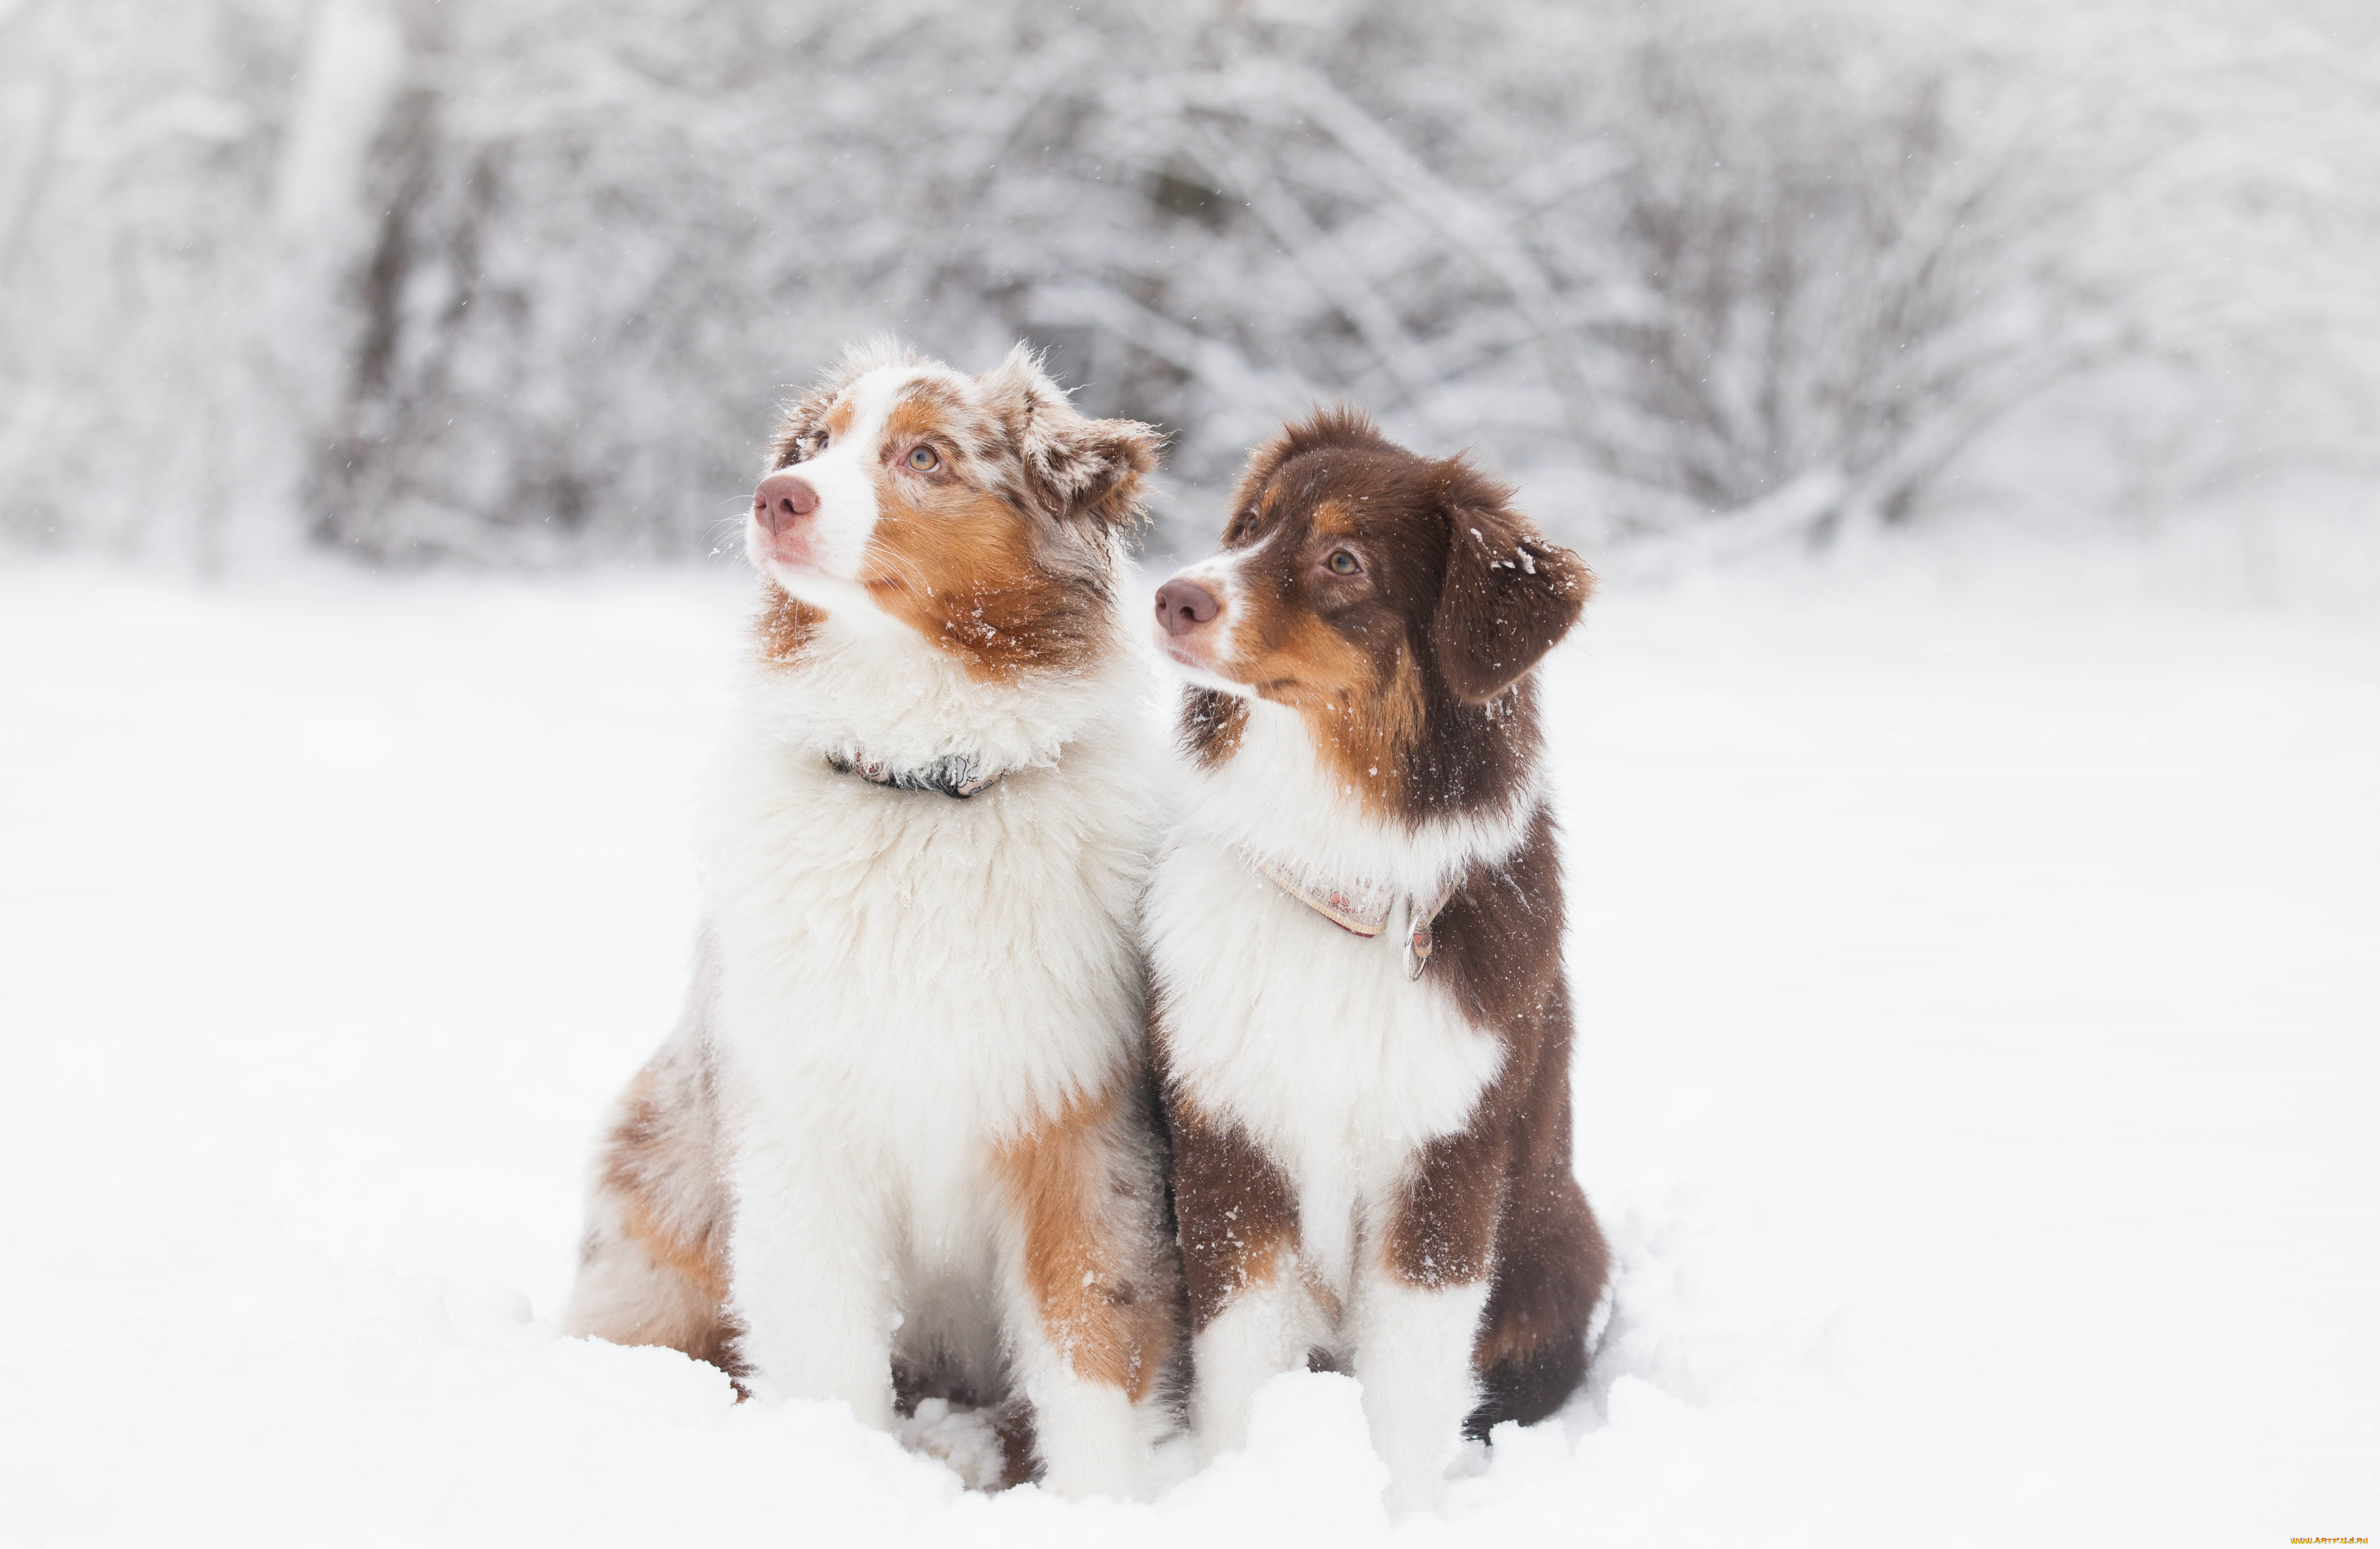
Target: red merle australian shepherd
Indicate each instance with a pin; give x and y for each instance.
(1358, 1009)
(897, 1147)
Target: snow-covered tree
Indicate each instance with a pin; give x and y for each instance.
(511, 279)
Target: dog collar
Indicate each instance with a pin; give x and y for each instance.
(1362, 908)
(957, 775)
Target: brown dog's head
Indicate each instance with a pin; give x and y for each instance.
(1395, 602)
(981, 512)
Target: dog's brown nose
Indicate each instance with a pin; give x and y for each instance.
(1182, 605)
(781, 499)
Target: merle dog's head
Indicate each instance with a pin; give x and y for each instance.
(982, 512)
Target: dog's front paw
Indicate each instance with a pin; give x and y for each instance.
(1413, 1494)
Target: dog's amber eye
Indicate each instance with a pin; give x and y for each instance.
(924, 459)
(1342, 563)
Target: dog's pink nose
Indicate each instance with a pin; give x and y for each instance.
(1182, 605)
(782, 499)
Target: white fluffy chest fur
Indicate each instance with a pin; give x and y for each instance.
(907, 979)
(1311, 1038)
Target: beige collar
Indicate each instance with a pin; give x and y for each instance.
(1362, 908)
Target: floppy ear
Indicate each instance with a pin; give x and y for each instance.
(1509, 596)
(1075, 468)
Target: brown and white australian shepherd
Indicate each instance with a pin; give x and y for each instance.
(898, 1143)
(1358, 1009)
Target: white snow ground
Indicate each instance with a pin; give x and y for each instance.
(1980, 1077)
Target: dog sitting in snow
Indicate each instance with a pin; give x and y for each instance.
(898, 1143)
(1359, 1011)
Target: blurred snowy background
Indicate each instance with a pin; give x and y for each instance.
(517, 281)
(1967, 768)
